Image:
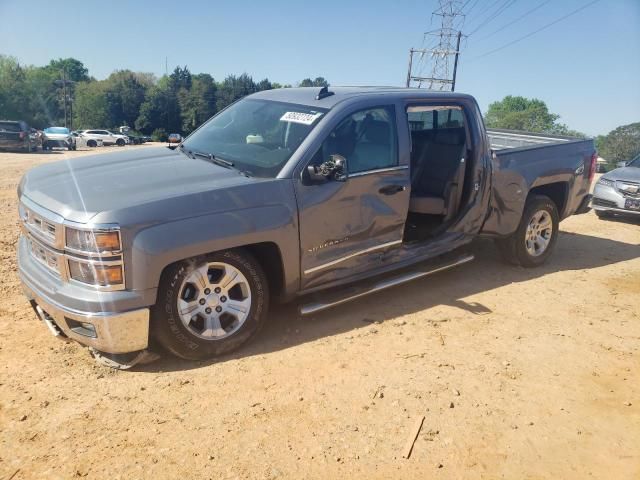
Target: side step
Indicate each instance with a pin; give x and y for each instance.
(342, 296)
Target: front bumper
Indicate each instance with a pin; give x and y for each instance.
(109, 321)
(53, 142)
(608, 199)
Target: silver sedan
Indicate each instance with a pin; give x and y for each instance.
(618, 191)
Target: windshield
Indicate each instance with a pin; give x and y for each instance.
(10, 127)
(257, 136)
(61, 130)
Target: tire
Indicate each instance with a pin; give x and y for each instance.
(519, 249)
(188, 335)
(120, 142)
(92, 143)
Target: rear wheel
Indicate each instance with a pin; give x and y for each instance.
(536, 236)
(210, 305)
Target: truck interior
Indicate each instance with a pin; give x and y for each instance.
(438, 169)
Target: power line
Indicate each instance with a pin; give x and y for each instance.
(527, 13)
(471, 7)
(544, 27)
(497, 13)
(486, 9)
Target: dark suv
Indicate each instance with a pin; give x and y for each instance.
(16, 135)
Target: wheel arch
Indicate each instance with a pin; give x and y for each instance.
(275, 246)
(557, 192)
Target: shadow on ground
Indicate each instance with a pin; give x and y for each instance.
(487, 272)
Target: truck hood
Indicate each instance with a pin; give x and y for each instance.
(631, 174)
(107, 184)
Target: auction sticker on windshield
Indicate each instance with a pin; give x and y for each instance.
(298, 117)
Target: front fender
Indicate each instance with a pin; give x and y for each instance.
(158, 246)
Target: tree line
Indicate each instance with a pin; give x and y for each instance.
(182, 101)
(179, 102)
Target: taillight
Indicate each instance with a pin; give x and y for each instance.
(22, 135)
(594, 162)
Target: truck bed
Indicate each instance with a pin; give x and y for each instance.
(523, 162)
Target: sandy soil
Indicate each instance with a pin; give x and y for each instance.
(519, 374)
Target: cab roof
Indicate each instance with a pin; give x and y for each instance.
(309, 95)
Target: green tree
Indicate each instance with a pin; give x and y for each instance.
(160, 109)
(125, 94)
(317, 82)
(620, 144)
(12, 81)
(73, 68)
(529, 114)
(234, 88)
(91, 109)
(198, 103)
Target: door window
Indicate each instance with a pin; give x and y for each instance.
(367, 139)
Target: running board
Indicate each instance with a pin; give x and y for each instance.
(355, 292)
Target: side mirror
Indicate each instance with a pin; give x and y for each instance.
(333, 169)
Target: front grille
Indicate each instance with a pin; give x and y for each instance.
(44, 229)
(52, 260)
(600, 202)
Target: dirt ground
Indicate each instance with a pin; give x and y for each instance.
(519, 374)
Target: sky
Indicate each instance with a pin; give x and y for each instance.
(586, 67)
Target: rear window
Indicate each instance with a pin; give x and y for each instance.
(431, 118)
(10, 127)
(57, 130)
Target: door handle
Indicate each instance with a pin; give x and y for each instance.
(392, 189)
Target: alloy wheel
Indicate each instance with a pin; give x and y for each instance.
(539, 232)
(214, 300)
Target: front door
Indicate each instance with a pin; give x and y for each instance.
(347, 224)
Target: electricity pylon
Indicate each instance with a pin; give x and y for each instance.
(442, 51)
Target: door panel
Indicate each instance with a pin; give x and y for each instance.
(345, 226)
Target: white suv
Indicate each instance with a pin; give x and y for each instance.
(107, 137)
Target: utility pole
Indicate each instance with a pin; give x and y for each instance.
(64, 82)
(442, 46)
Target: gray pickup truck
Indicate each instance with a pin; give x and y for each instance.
(323, 195)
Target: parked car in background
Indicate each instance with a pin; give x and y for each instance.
(107, 137)
(136, 139)
(174, 138)
(58, 137)
(17, 135)
(84, 141)
(618, 192)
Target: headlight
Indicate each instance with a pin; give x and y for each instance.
(95, 274)
(606, 182)
(93, 242)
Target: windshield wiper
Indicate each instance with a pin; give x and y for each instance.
(214, 159)
(211, 157)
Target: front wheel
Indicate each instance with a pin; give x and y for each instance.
(210, 305)
(120, 142)
(536, 236)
